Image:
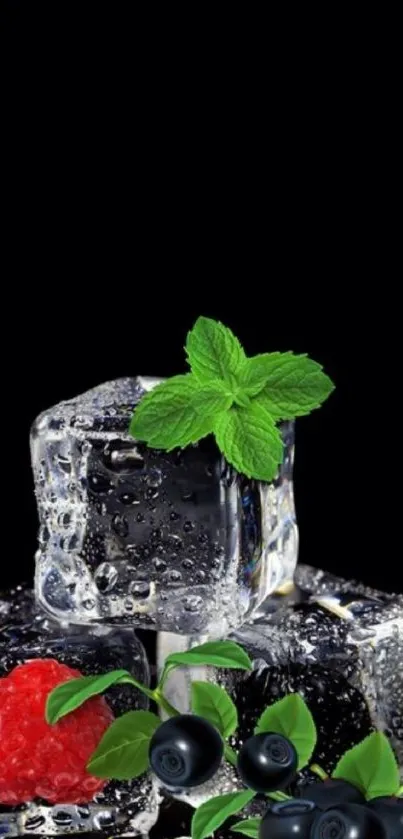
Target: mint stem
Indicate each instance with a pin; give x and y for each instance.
(168, 669)
(317, 770)
(230, 755)
(130, 680)
(278, 796)
(160, 699)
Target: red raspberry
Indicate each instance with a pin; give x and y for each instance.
(38, 760)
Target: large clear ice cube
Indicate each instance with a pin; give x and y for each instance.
(177, 542)
(340, 647)
(123, 808)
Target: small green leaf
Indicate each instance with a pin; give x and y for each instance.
(370, 766)
(167, 418)
(213, 351)
(68, 696)
(214, 813)
(292, 718)
(213, 703)
(122, 753)
(295, 385)
(215, 653)
(250, 441)
(248, 827)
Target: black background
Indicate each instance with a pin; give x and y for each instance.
(341, 477)
(148, 179)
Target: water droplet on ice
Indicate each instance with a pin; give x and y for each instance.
(193, 603)
(105, 577)
(159, 564)
(120, 525)
(187, 563)
(154, 477)
(88, 603)
(188, 526)
(140, 589)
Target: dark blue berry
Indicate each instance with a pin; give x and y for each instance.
(267, 762)
(390, 811)
(185, 751)
(331, 793)
(348, 821)
(288, 820)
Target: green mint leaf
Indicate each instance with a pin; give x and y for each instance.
(370, 766)
(68, 696)
(122, 753)
(216, 653)
(212, 398)
(295, 385)
(213, 703)
(178, 412)
(214, 813)
(250, 441)
(213, 351)
(292, 718)
(248, 827)
(256, 370)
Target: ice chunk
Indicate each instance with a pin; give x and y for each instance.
(123, 808)
(177, 542)
(340, 649)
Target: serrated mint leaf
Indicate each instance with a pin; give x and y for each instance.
(254, 374)
(295, 385)
(215, 812)
(213, 703)
(70, 695)
(174, 414)
(213, 398)
(226, 654)
(122, 753)
(292, 718)
(250, 441)
(213, 351)
(370, 766)
(248, 827)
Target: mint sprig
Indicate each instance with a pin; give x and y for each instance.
(238, 399)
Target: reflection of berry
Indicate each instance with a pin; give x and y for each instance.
(349, 821)
(287, 819)
(38, 760)
(185, 751)
(390, 810)
(267, 762)
(331, 793)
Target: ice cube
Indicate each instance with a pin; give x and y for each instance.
(342, 651)
(177, 542)
(127, 808)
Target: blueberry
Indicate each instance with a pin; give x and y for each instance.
(267, 762)
(287, 819)
(390, 811)
(185, 751)
(331, 793)
(348, 821)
